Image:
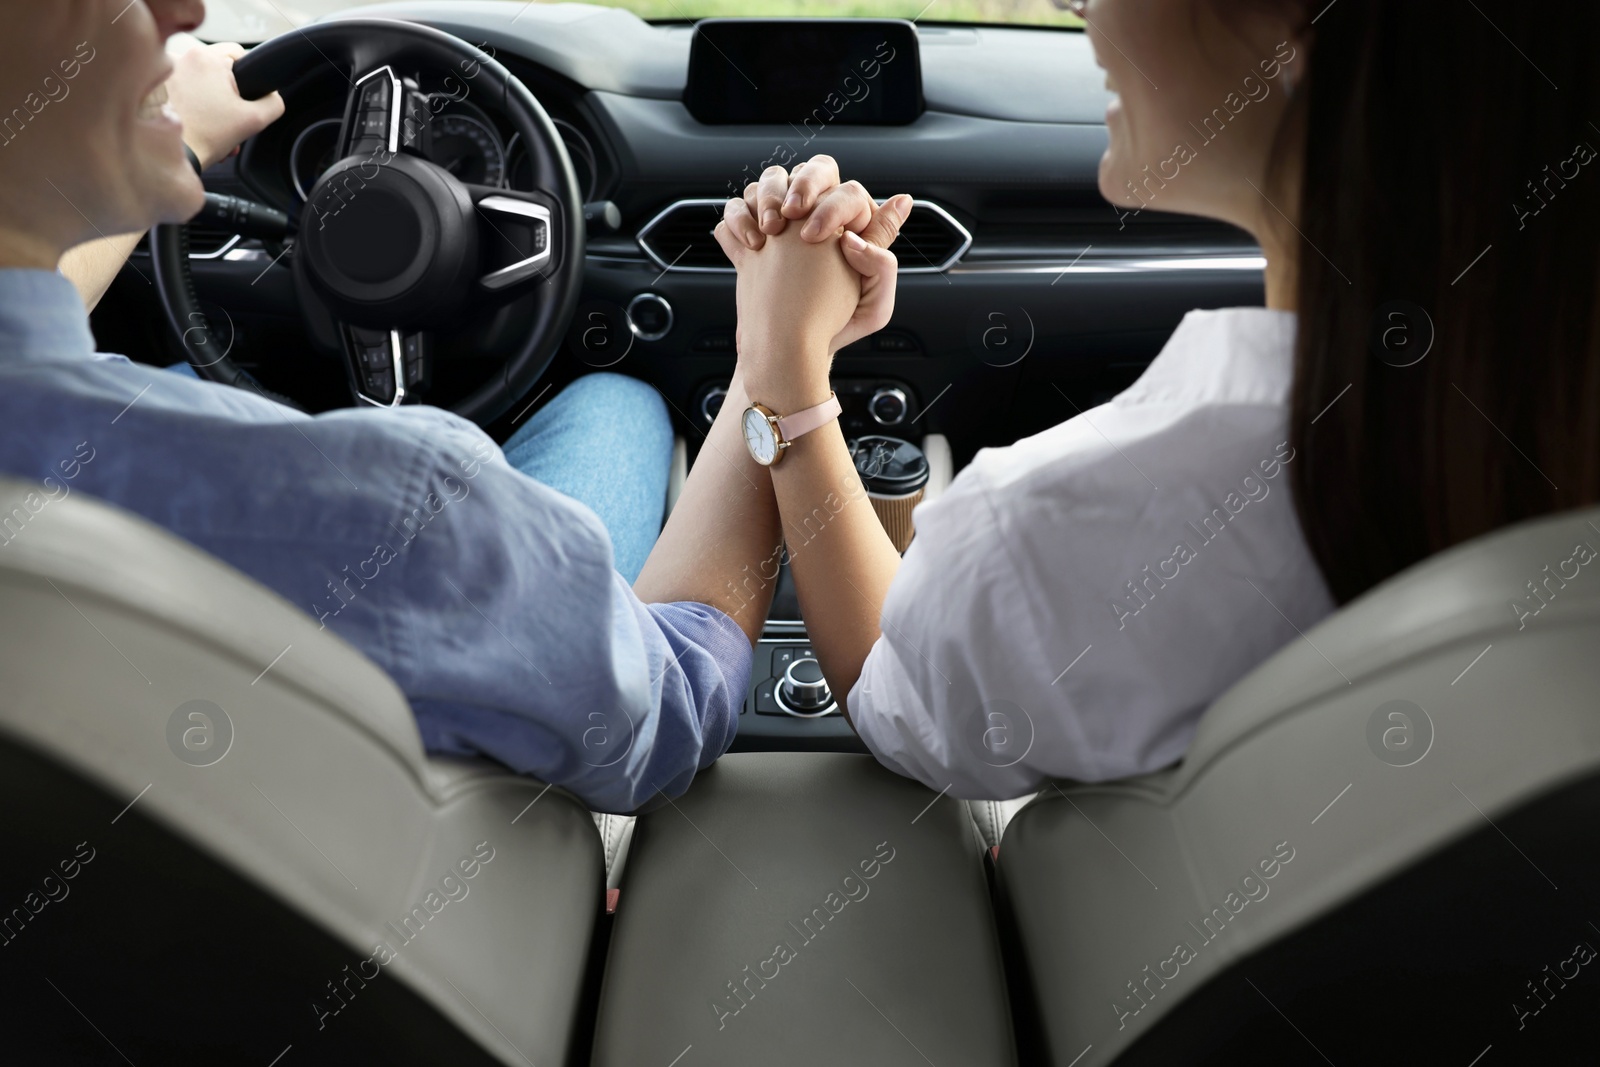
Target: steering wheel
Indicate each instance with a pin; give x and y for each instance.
(391, 249)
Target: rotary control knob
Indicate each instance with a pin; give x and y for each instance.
(649, 317)
(803, 690)
(888, 406)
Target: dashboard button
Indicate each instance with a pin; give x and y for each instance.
(649, 317)
(888, 406)
(766, 698)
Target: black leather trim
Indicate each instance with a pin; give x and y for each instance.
(170, 955)
(1425, 967)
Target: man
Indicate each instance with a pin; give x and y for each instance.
(490, 598)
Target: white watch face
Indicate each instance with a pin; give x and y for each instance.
(759, 438)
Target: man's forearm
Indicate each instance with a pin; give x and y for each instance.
(721, 545)
(92, 267)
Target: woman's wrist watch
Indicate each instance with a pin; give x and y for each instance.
(768, 435)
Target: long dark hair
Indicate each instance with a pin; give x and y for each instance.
(1450, 186)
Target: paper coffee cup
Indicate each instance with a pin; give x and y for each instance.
(895, 474)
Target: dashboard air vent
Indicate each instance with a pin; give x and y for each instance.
(930, 240)
(205, 242)
(208, 242)
(679, 239)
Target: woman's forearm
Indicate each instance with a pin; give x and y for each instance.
(841, 558)
(721, 545)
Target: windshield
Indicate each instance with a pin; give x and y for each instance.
(251, 21)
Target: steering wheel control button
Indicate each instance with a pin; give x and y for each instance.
(804, 691)
(380, 358)
(414, 355)
(888, 406)
(375, 95)
(375, 124)
(649, 317)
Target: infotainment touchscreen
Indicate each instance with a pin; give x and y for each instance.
(860, 72)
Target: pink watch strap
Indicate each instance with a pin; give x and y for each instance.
(803, 422)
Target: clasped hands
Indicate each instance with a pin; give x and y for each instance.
(815, 274)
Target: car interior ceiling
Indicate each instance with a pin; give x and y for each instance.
(737, 924)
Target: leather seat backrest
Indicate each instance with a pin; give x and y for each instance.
(1377, 839)
(275, 861)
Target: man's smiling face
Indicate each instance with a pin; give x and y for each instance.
(89, 147)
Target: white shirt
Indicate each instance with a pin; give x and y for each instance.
(1072, 603)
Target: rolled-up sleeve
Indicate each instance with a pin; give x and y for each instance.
(944, 695)
(613, 756)
(514, 637)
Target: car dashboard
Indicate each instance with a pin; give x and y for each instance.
(1024, 298)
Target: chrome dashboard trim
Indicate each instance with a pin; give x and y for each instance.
(1137, 264)
(227, 246)
(954, 257)
(644, 231)
(718, 202)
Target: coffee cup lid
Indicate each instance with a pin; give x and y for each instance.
(889, 465)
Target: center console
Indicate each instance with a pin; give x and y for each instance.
(789, 705)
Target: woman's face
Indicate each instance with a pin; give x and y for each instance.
(87, 148)
(1201, 89)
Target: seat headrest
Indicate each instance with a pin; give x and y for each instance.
(1472, 595)
(90, 551)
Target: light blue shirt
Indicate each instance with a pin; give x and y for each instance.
(489, 598)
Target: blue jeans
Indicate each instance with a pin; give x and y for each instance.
(606, 442)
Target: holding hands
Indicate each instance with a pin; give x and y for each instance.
(815, 274)
(808, 289)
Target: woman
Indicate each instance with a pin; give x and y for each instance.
(1075, 601)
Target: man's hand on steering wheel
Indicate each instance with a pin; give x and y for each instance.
(216, 119)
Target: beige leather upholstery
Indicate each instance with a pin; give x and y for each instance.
(324, 798)
(804, 908)
(1301, 771)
